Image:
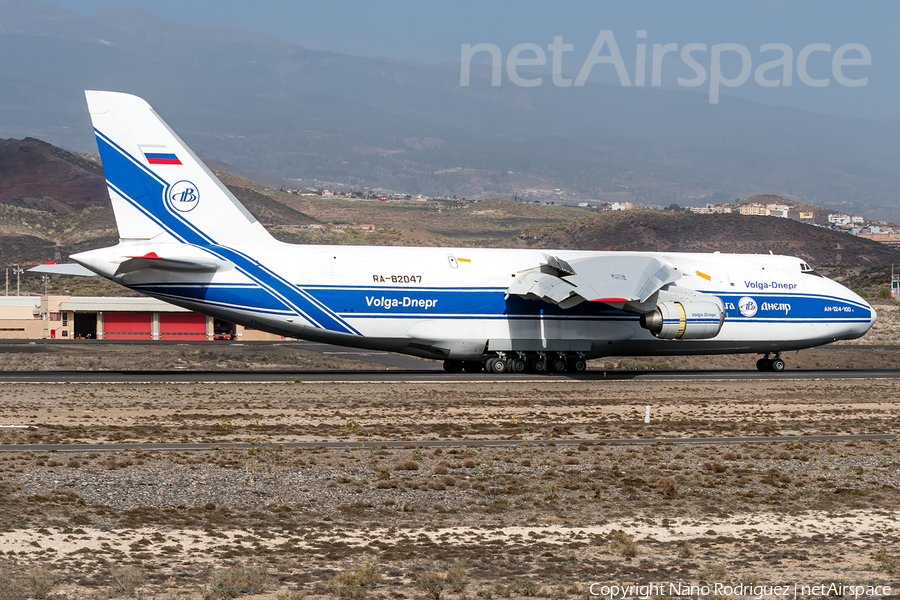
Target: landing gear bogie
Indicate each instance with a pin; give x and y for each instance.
(516, 365)
(495, 365)
(538, 364)
(772, 365)
(576, 364)
(453, 366)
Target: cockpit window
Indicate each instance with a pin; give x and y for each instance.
(808, 270)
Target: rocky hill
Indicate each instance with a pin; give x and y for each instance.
(38, 175)
(853, 259)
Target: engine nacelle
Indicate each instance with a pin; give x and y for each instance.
(688, 320)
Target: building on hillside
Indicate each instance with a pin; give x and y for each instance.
(112, 318)
(710, 209)
(778, 210)
(754, 210)
(857, 220)
(891, 239)
(621, 206)
(807, 216)
(839, 220)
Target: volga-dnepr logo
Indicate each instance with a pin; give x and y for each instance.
(183, 196)
(747, 306)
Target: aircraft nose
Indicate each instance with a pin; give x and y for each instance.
(861, 328)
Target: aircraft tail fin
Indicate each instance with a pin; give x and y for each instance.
(158, 187)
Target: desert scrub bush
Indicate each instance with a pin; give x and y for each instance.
(382, 472)
(712, 573)
(667, 487)
(485, 593)
(222, 585)
(40, 582)
(888, 562)
(623, 544)
(550, 492)
(409, 465)
(527, 588)
(432, 583)
(457, 579)
(12, 587)
(355, 584)
(291, 595)
(685, 549)
(127, 579)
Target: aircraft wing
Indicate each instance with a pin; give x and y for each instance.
(65, 269)
(612, 280)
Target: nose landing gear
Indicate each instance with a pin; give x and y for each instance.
(771, 364)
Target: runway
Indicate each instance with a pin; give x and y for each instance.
(427, 376)
(440, 443)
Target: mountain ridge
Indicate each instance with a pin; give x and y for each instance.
(277, 108)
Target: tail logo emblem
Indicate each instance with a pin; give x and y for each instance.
(184, 196)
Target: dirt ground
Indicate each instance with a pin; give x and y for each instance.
(526, 520)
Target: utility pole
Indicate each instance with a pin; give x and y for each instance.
(7, 281)
(18, 271)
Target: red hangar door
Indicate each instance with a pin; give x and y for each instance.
(127, 326)
(182, 326)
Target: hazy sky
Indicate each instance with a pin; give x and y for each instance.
(433, 32)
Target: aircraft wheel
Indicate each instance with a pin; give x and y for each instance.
(495, 365)
(515, 365)
(453, 366)
(538, 365)
(577, 365)
(473, 366)
(762, 364)
(776, 365)
(558, 365)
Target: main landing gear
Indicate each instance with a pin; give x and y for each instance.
(522, 362)
(770, 364)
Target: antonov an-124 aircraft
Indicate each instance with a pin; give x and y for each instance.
(185, 239)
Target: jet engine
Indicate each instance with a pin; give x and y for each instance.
(694, 319)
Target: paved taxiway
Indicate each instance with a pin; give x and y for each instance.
(424, 376)
(442, 443)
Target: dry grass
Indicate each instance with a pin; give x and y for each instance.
(355, 584)
(222, 585)
(432, 583)
(127, 579)
(623, 544)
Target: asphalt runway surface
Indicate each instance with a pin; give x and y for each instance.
(440, 443)
(425, 376)
(387, 360)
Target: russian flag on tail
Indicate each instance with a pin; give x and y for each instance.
(159, 155)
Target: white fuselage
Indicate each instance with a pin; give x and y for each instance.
(451, 303)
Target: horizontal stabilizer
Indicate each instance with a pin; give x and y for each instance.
(64, 269)
(613, 280)
(139, 263)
